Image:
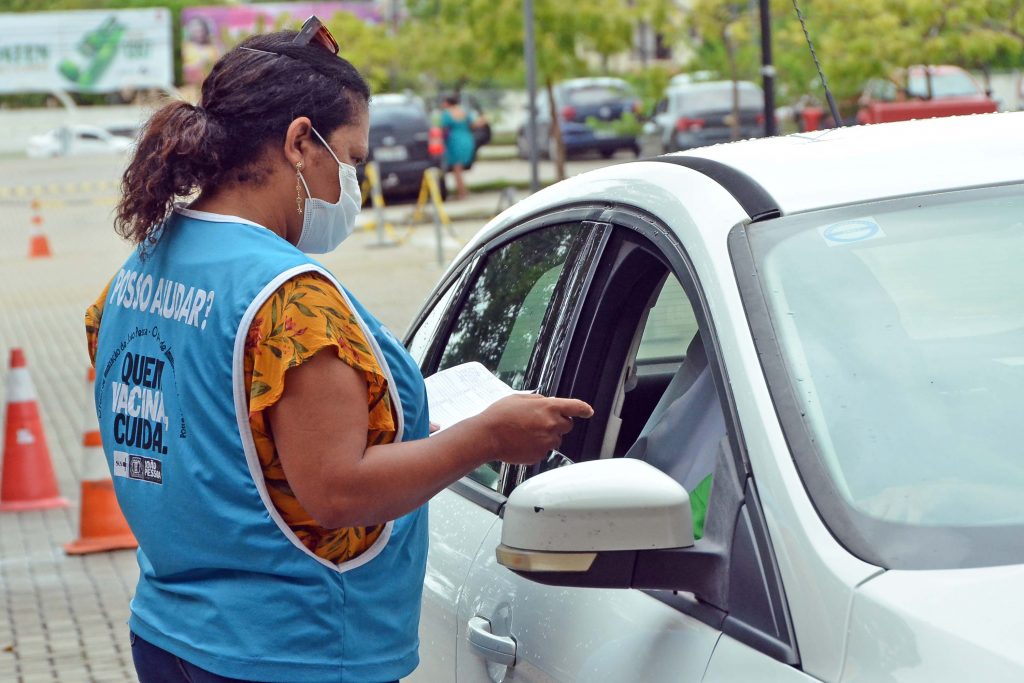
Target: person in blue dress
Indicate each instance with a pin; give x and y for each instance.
(460, 147)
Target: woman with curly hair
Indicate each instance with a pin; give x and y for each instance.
(265, 432)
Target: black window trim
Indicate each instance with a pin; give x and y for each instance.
(668, 246)
(475, 492)
(747, 192)
(461, 275)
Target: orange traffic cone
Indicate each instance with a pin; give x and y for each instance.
(101, 525)
(26, 481)
(435, 141)
(38, 245)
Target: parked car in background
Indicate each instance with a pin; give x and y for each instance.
(595, 115)
(400, 142)
(691, 77)
(77, 140)
(804, 461)
(124, 129)
(701, 113)
(923, 92)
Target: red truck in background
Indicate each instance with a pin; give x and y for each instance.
(923, 92)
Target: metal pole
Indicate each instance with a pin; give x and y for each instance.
(530, 53)
(434, 193)
(767, 70)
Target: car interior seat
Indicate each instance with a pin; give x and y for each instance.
(682, 435)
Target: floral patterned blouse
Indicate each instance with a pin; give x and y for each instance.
(305, 315)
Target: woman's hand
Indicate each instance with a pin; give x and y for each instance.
(320, 424)
(523, 428)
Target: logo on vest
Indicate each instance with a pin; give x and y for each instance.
(138, 467)
(145, 469)
(120, 464)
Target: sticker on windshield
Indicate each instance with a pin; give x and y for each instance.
(851, 232)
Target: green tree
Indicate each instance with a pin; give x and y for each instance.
(481, 41)
(370, 47)
(859, 41)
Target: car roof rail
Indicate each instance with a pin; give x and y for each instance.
(747, 192)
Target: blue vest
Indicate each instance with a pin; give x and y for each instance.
(224, 583)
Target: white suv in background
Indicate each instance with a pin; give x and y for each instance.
(77, 140)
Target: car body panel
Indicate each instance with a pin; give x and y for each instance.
(651, 641)
(733, 661)
(962, 624)
(458, 527)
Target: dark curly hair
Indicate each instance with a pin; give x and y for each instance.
(248, 101)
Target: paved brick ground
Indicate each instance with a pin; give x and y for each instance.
(63, 618)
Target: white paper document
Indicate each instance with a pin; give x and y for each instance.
(463, 391)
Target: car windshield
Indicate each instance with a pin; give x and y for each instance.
(949, 84)
(598, 94)
(717, 98)
(901, 332)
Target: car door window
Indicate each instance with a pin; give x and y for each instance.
(647, 363)
(670, 326)
(500, 322)
(420, 343)
(660, 405)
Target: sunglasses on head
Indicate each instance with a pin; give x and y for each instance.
(314, 31)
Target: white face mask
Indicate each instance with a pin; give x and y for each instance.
(325, 225)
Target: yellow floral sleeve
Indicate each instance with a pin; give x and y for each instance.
(93, 314)
(306, 315)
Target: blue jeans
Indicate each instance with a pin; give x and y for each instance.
(156, 665)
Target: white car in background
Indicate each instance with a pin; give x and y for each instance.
(806, 358)
(77, 140)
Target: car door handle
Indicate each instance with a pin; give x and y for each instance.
(497, 649)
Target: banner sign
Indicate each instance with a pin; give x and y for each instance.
(86, 51)
(209, 32)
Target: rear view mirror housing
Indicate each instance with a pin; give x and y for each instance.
(584, 525)
(622, 523)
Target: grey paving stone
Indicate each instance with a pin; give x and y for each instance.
(50, 602)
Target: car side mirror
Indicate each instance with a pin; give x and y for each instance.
(585, 525)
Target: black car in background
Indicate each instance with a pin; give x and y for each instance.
(701, 113)
(400, 142)
(595, 115)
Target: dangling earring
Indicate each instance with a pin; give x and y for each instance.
(298, 187)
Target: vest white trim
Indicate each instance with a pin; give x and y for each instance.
(211, 217)
(245, 430)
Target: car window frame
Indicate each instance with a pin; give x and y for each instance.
(663, 242)
(544, 362)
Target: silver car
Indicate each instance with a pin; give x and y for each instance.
(705, 113)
